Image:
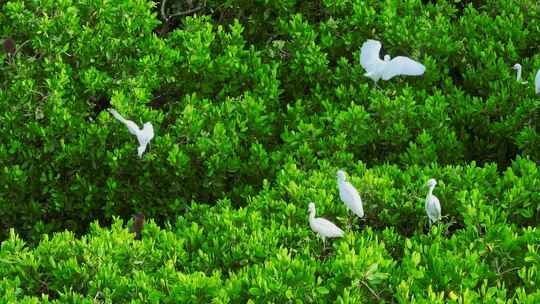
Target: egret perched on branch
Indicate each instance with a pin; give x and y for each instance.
(433, 206)
(322, 226)
(386, 69)
(349, 195)
(517, 67)
(537, 82)
(144, 135)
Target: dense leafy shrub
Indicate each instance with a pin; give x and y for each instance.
(235, 98)
(255, 105)
(266, 252)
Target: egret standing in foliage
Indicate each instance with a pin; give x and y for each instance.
(386, 69)
(537, 82)
(517, 67)
(349, 195)
(433, 206)
(144, 135)
(322, 226)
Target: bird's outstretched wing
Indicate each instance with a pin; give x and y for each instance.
(537, 82)
(132, 127)
(402, 66)
(369, 55)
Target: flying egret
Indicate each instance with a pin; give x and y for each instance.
(433, 206)
(349, 195)
(386, 69)
(144, 135)
(517, 67)
(322, 226)
(537, 82)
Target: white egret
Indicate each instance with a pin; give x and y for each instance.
(349, 195)
(386, 69)
(322, 226)
(537, 82)
(517, 67)
(143, 135)
(433, 206)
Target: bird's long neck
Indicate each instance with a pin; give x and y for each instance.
(518, 77)
(312, 214)
(430, 192)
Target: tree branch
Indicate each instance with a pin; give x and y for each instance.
(163, 15)
(190, 11)
(371, 290)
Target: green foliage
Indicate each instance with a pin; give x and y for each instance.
(232, 102)
(266, 252)
(255, 105)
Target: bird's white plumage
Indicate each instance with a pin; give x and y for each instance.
(146, 134)
(324, 227)
(143, 135)
(537, 82)
(132, 127)
(432, 206)
(349, 195)
(518, 69)
(370, 55)
(402, 66)
(386, 69)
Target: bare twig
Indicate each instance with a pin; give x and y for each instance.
(163, 15)
(20, 46)
(190, 11)
(371, 290)
(507, 271)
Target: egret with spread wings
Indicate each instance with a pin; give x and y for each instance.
(143, 135)
(386, 69)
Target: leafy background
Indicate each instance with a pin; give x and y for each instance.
(256, 105)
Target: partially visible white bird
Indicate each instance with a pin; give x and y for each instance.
(537, 82)
(517, 67)
(349, 195)
(322, 226)
(433, 206)
(144, 135)
(386, 69)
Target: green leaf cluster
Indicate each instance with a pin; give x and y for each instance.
(266, 252)
(255, 106)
